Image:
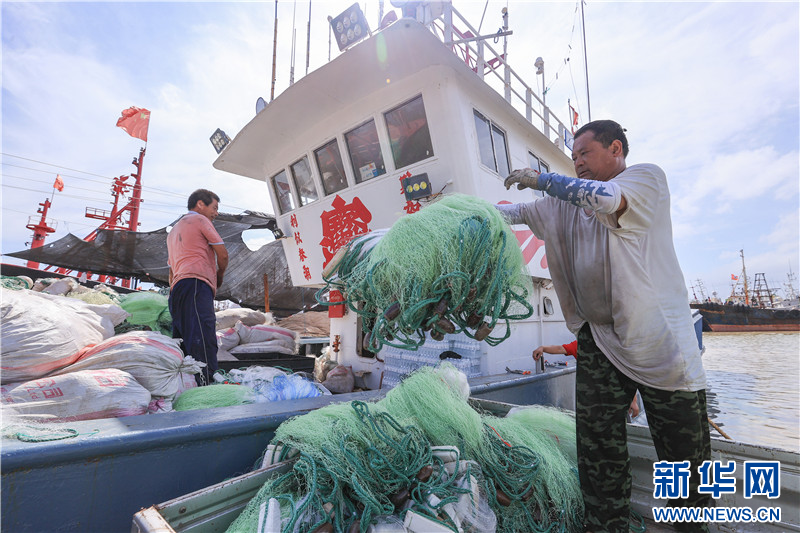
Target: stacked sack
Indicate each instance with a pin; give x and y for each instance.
(154, 360)
(262, 338)
(60, 360)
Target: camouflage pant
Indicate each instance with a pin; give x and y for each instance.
(678, 424)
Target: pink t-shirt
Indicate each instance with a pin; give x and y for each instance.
(189, 248)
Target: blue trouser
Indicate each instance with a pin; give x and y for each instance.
(191, 304)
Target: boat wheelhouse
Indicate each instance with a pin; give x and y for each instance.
(387, 126)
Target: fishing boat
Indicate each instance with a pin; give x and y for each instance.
(342, 158)
(747, 309)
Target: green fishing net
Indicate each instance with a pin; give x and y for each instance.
(453, 266)
(359, 462)
(213, 396)
(16, 282)
(149, 309)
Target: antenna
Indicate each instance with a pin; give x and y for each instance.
(294, 40)
(274, 53)
(586, 64)
(308, 38)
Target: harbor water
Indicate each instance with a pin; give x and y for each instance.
(754, 386)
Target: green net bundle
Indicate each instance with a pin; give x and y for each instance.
(16, 282)
(359, 462)
(450, 267)
(524, 463)
(149, 309)
(218, 395)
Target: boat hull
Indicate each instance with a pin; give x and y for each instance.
(725, 318)
(213, 509)
(115, 467)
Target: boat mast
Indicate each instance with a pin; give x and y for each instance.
(274, 53)
(586, 64)
(744, 273)
(40, 229)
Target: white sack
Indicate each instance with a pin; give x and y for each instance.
(264, 347)
(228, 318)
(86, 395)
(40, 333)
(155, 360)
(61, 286)
(265, 333)
(227, 339)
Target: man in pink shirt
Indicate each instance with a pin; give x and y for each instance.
(197, 262)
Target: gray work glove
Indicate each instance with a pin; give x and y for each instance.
(524, 178)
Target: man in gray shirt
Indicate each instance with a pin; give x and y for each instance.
(609, 244)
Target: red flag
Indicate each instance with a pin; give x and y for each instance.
(574, 116)
(135, 121)
(59, 183)
(734, 278)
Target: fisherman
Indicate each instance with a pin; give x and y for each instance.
(194, 275)
(622, 292)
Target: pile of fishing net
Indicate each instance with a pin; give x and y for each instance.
(407, 466)
(450, 267)
(216, 395)
(147, 310)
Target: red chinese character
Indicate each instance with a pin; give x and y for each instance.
(306, 272)
(412, 207)
(303, 255)
(293, 220)
(341, 224)
(52, 393)
(297, 238)
(402, 177)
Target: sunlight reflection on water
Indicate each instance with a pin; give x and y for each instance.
(754, 386)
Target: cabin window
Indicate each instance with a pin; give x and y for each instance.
(537, 164)
(492, 145)
(365, 151)
(280, 185)
(408, 133)
(304, 182)
(329, 162)
(547, 305)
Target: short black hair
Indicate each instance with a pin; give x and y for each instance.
(202, 195)
(605, 132)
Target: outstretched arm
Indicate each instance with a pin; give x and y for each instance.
(537, 353)
(601, 196)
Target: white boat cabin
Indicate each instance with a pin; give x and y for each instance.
(402, 110)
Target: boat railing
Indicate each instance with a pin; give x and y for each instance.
(474, 50)
(35, 220)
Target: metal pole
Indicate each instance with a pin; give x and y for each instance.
(586, 64)
(308, 38)
(274, 53)
(506, 71)
(294, 41)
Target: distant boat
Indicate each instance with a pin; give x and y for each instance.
(749, 310)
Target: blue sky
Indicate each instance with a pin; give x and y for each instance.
(708, 91)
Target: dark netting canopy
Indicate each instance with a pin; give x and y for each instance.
(144, 255)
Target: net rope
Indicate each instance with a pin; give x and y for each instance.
(453, 266)
(359, 462)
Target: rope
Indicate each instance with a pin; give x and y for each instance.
(719, 429)
(29, 433)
